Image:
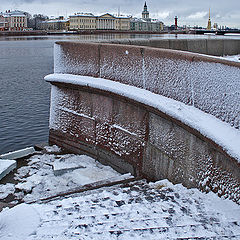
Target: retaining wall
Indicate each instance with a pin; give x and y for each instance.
(209, 84)
(215, 47)
(133, 136)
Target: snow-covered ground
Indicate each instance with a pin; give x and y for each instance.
(137, 210)
(235, 58)
(37, 179)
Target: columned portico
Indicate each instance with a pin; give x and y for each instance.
(106, 21)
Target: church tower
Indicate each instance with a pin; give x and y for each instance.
(145, 13)
(209, 25)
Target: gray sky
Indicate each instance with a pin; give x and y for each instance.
(189, 12)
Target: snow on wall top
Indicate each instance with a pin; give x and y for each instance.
(207, 83)
(222, 133)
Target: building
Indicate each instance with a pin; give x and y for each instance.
(146, 24)
(107, 21)
(2, 22)
(58, 24)
(15, 20)
(145, 13)
(83, 21)
(123, 23)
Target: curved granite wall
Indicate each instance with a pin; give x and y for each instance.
(207, 83)
(135, 137)
(210, 46)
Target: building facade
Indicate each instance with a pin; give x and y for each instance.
(87, 21)
(14, 20)
(146, 24)
(2, 22)
(82, 21)
(58, 24)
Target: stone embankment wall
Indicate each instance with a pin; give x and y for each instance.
(207, 83)
(22, 33)
(215, 47)
(133, 136)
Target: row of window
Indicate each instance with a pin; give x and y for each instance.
(18, 25)
(19, 19)
(92, 27)
(83, 26)
(83, 20)
(94, 21)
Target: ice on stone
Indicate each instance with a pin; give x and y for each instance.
(6, 166)
(18, 154)
(63, 165)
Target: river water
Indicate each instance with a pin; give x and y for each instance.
(24, 95)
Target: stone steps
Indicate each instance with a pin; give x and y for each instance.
(132, 211)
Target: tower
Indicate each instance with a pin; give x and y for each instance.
(209, 27)
(176, 24)
(145, 12)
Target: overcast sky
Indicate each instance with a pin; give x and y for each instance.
(189, 12)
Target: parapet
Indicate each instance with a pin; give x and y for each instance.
(156, 113)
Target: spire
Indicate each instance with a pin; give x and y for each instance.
(145, 13)
(209, 25)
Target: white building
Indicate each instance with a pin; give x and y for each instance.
(146, 24)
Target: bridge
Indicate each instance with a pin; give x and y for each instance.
(157, 113)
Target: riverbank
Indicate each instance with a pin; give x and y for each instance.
(82, 32)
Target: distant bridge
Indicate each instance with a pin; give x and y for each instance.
(156, 113)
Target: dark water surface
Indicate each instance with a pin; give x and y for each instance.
(24, 95)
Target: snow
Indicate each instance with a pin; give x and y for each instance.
(235, 58)
(37, 179)
(136, 211)
(210, 85)
(18, 154)
(213, 128)
(6, 166)
(53, 148)
(6, 189)
(63, 165)
(18, 222)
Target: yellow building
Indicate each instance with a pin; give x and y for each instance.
(87, 21)
(106, 22)
(123, 23)
(83, 21)
(110, 22)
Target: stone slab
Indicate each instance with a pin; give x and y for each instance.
(6, 166)
(61, 166)
(18, 154)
